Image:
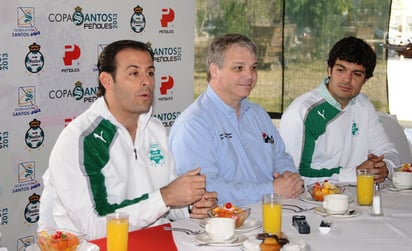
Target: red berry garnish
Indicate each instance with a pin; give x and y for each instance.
(228, 205)
(57, 235)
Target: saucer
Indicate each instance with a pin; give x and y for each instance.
(399, 188)
(85, 246)
(236, 240)
(307, 197)
(295, 243)
(249, 225)
(321, 211)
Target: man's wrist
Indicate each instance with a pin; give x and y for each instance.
(163, 193)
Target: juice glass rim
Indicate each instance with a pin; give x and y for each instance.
(364, 172)
(118, 215)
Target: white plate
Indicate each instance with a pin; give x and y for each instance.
(295, 243)
(321, 211)
(236, 240)
(396, 189)
(306, 197)
(249, 225)
(86, 246)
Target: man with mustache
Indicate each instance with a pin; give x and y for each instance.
(114, 157)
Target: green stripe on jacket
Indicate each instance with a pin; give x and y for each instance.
(315, 123)
(96, 145)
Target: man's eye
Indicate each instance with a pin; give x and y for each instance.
(152, 73)
(238, 68)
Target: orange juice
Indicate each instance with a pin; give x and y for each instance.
(272, 214)
(117, 233)
(365, 188)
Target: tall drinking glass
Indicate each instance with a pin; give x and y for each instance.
(117, 231)
(365, 181)
(272, 213)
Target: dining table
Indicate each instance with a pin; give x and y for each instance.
(357, 230)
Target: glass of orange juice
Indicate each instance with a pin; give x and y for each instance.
(365, 181)
(117, 231)
(272, 213)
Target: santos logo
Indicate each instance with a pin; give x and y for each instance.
(72, 52)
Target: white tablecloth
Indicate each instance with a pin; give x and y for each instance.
(393, 231)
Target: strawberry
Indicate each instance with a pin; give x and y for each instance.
(57, 235)
(228, 205)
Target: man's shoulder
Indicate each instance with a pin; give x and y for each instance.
(199, 110)
(306, 100)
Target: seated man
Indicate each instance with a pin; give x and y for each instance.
(233, 140)
(334, 129)
(115, 156)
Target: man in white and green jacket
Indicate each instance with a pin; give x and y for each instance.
(115, 156)
(334, 129)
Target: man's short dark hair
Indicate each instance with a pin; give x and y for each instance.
(107, 63)
(354, 50)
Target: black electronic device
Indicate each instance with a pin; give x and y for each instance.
(299, 221)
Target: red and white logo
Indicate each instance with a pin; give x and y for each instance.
(72, 52)
(166, 84)
(168, 15)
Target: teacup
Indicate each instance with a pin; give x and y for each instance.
(402, 180)
(336, 203)
(220, 228)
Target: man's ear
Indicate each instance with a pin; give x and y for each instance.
(106, 79)
(213, 68)
(329, 71)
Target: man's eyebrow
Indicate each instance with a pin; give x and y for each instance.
(357, 70)
(139, 67)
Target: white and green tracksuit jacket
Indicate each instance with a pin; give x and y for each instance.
(96, 169)
(327, 142)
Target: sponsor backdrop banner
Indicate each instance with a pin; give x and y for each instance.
(48, 76)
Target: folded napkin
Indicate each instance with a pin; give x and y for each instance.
(152, 238)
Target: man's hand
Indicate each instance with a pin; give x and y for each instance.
(200, 208)
(377, 166)
(288, 184)
(185, 189)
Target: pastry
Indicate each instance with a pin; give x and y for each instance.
(270, 244)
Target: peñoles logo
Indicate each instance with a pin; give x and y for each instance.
(72, 52)
(166, 84)
(168, 16)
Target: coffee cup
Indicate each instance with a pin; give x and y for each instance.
(220, 229)
(402, 180)
(336, 203)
